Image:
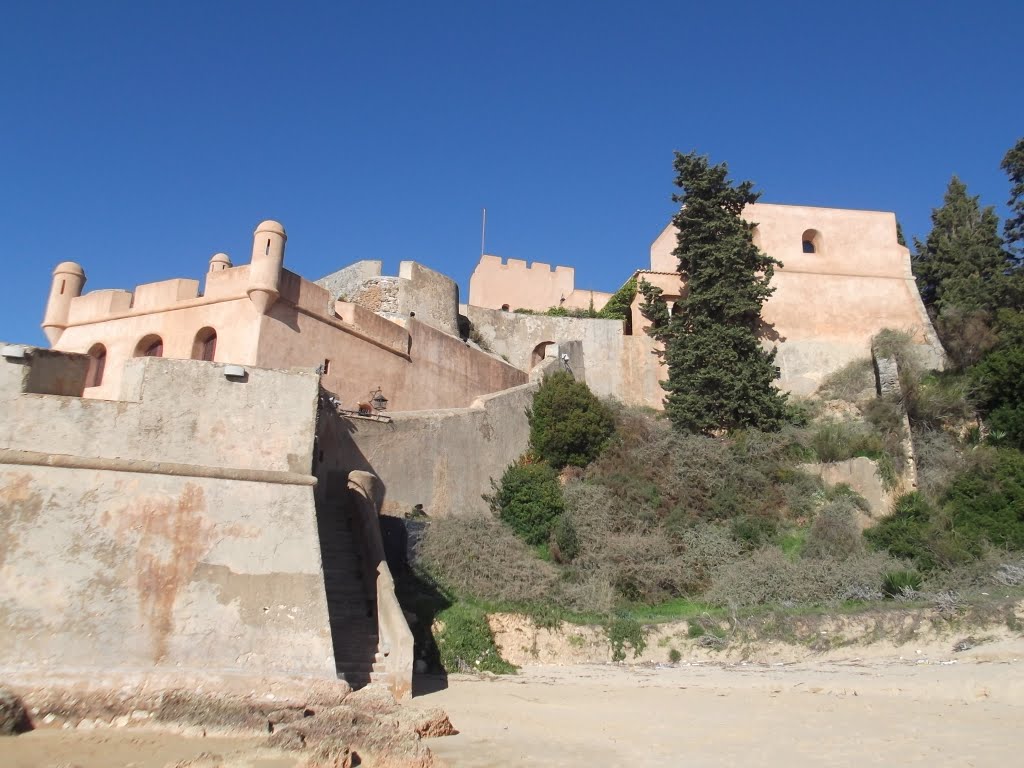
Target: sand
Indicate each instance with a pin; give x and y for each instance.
(927, 706)
(963, 710)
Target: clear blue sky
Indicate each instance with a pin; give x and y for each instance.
(140, 138)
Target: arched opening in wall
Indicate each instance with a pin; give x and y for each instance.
(811, 241)
(677, 308)
(205, 345)
(539, 353)
(150, 346)
(504, 307)
(755, 236)
(97, 364)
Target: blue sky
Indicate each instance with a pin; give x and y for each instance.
(140, 138)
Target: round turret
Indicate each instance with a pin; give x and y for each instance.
(265, 269)
(68, 281)
(219, 261)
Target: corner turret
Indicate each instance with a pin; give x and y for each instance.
(265, 270)
(219, 261)
(68, 281)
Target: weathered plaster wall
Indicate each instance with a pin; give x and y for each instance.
(442, 459)
(518, 337)
(175, 530)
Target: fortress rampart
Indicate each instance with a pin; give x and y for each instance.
(175, 529)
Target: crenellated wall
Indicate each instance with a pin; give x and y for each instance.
(496, 284)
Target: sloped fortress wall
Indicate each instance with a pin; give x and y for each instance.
(174, 528)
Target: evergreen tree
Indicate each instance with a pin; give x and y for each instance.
(720, 377)
(962, 263)
(1013, 227)
(899, 234)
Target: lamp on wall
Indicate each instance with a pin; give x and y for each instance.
(234, 372)
(14, 352)
(378, 401)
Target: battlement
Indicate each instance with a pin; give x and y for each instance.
(499, 283)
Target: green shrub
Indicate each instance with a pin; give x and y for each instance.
(618, 306)
(623, 631)
(905, 533)
(565, 542)
(900, 583)
(986, 503)
(841, 440)
(465, 642)
(754, 532)
(528, 500)
(674, 656)
(569, 425)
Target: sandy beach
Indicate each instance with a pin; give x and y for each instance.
(860, 707)
(935, 709)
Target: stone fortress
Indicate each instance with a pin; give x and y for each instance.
(196, 479)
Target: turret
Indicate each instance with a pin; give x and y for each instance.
(265, 270)
(219, 261)
(68, 281)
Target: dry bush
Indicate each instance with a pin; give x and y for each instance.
(482, 558)
(768, 577)
(938, 458)
(633, 557)
(850, 383)
(835, 533)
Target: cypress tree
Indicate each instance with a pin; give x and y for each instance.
(720, 377)
(1013, 227)
(962, 264)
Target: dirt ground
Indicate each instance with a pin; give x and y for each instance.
(917, 705)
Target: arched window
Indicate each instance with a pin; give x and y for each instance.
(205, 345)
(97, 363)
(150, 346)
(539, 353)
(811, 241)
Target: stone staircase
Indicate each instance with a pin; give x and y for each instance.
(353, 616)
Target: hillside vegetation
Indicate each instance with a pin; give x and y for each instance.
(661, 524)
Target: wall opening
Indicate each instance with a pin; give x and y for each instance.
(539, 353)
(811, 241)
(504, 307)
(205, 345)
(97, 364)
(150, 346)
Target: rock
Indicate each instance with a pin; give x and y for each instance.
(374, 699)
(282, 716)
(287, 738)
(13, 717)
(372, 739)
(332, 753)
(426, 722)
